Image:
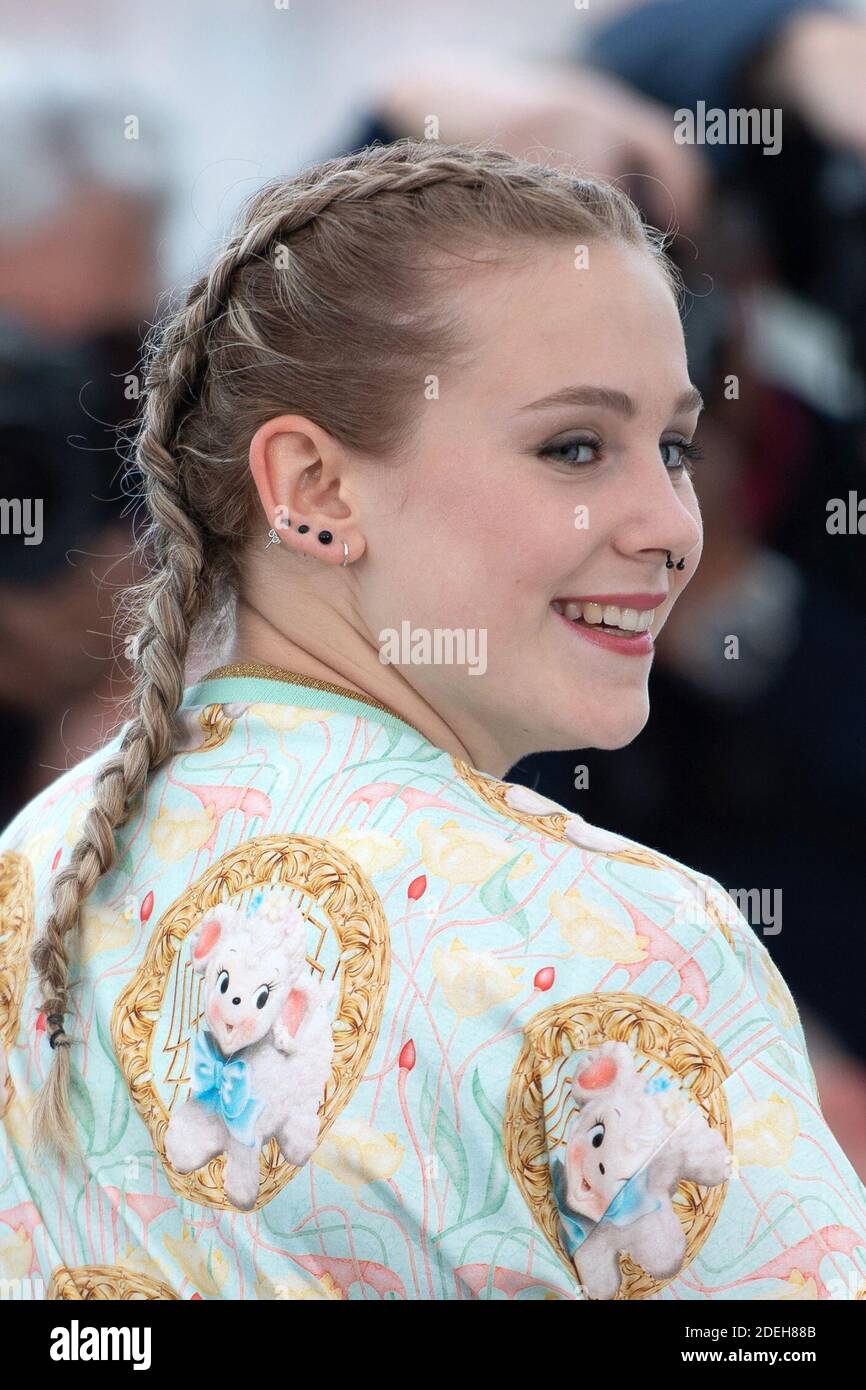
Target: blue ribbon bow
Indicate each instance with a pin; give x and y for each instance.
(224, 1088)
(633, 1201)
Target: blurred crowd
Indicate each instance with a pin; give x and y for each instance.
(751, 769)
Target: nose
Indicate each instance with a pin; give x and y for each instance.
(237, 999)
(655, 516)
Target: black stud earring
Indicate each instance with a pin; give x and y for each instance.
(681, 563)
(325, 537)
(303, 530)
(669, 564)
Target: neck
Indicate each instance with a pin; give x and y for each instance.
(354, 662)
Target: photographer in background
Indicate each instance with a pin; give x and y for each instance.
(82, 206)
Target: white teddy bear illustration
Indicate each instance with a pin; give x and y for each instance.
(627, 1148)
(261, 1065)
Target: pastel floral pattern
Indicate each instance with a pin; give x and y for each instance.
(493, 938)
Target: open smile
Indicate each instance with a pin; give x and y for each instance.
(619, 622)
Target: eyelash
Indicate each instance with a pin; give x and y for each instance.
(690, 452)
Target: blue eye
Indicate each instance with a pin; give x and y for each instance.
(687, 454)
(579, 442)
(581, 450)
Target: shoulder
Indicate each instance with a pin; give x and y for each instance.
(511, 806)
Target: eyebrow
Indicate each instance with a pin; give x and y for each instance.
(609, 400)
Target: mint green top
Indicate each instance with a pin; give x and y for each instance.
(352, 1019)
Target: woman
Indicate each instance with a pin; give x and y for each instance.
(321, 1006)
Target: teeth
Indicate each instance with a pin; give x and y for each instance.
(626, 619)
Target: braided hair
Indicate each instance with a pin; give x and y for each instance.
(324, 302)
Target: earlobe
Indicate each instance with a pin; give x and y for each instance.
(274, 539)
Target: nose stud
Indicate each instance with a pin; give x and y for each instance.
(669, 564)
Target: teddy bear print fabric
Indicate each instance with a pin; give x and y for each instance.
(354, 1020)
(263, 1053)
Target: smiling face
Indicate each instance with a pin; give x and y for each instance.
(243, 1000)
(249, 969)
(546, 486)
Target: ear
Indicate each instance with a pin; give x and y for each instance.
(286, 1026)
(601, 1069)
(302, 474)
(203, 940)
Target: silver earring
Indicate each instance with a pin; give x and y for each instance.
(274, 539)
(345, 559)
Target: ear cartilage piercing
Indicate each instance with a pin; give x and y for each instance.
(274, 539)
(669, 564)
(303, 530)
(345, 559)
(325, 537)
(681, 562)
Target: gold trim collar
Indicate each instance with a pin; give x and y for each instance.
(278, 673)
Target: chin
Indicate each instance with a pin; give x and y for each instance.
(614, 727)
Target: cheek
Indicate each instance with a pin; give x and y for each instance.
(576, 1152)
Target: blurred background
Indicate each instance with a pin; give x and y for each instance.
(128, 138)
